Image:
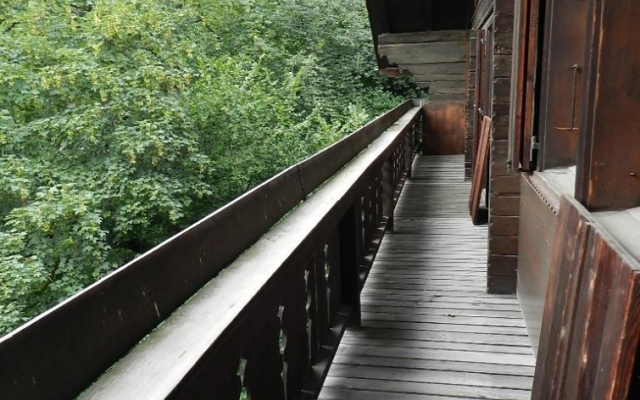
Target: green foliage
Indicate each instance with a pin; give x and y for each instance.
(124, 121)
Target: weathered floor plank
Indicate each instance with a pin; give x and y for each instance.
(429, 329)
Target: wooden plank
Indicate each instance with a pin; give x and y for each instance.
(437, 365)
(566, 267)
(504, 205)
(346, 394)
(457, 68)
(446, 319)
(453, 339)
(424, 37)
(427, 388)
(443, 377)
(503, 245)
(505, 185)
(432, 354)
(420, 344)
(459, 79)
(503, 226)
(425, 53)
(503, 32)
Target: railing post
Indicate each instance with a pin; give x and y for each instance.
(388, 189)
(350, 237)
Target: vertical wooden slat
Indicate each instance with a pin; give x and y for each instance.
(294, 321)
(378, 199)
(334, 279)
(621, 335)
(388, 189)
(262, 376)
(566, 261)
(322, 314)
(350, 241)
(312, 311)
(585, 343)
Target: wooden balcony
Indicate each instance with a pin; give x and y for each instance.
(254, 300)
(429, 330)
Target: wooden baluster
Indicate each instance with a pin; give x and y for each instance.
(333, 278)
(372, 221)
(263, 371)
(322, 321)
(368, 216)
(363, 224)
(379, 194)
(388, 189)
(399, 165)
(312, 311)
(350, 239)
(296, 346)
(224, 386)
(408, 152)
(230, 387)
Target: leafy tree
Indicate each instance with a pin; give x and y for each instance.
(124, 121)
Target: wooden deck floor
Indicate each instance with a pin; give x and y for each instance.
(429, 330)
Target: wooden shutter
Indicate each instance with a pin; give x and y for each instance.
(524, 72)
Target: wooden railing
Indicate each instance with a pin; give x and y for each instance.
(253, 298)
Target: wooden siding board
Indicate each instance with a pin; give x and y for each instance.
(536, 232)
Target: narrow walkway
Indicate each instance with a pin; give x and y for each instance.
(429, 330)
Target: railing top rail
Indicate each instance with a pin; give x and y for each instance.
(87, 333)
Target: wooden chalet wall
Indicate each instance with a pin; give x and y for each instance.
(437, 59)
(496, 17)
(577, 95)
(589, 339)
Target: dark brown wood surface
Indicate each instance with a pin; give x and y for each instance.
(538, 224)
(609, 166)
(444, 128)
(429, 330)
(479, 172)
(591, 329)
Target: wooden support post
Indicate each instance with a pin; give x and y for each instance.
(350, 236)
